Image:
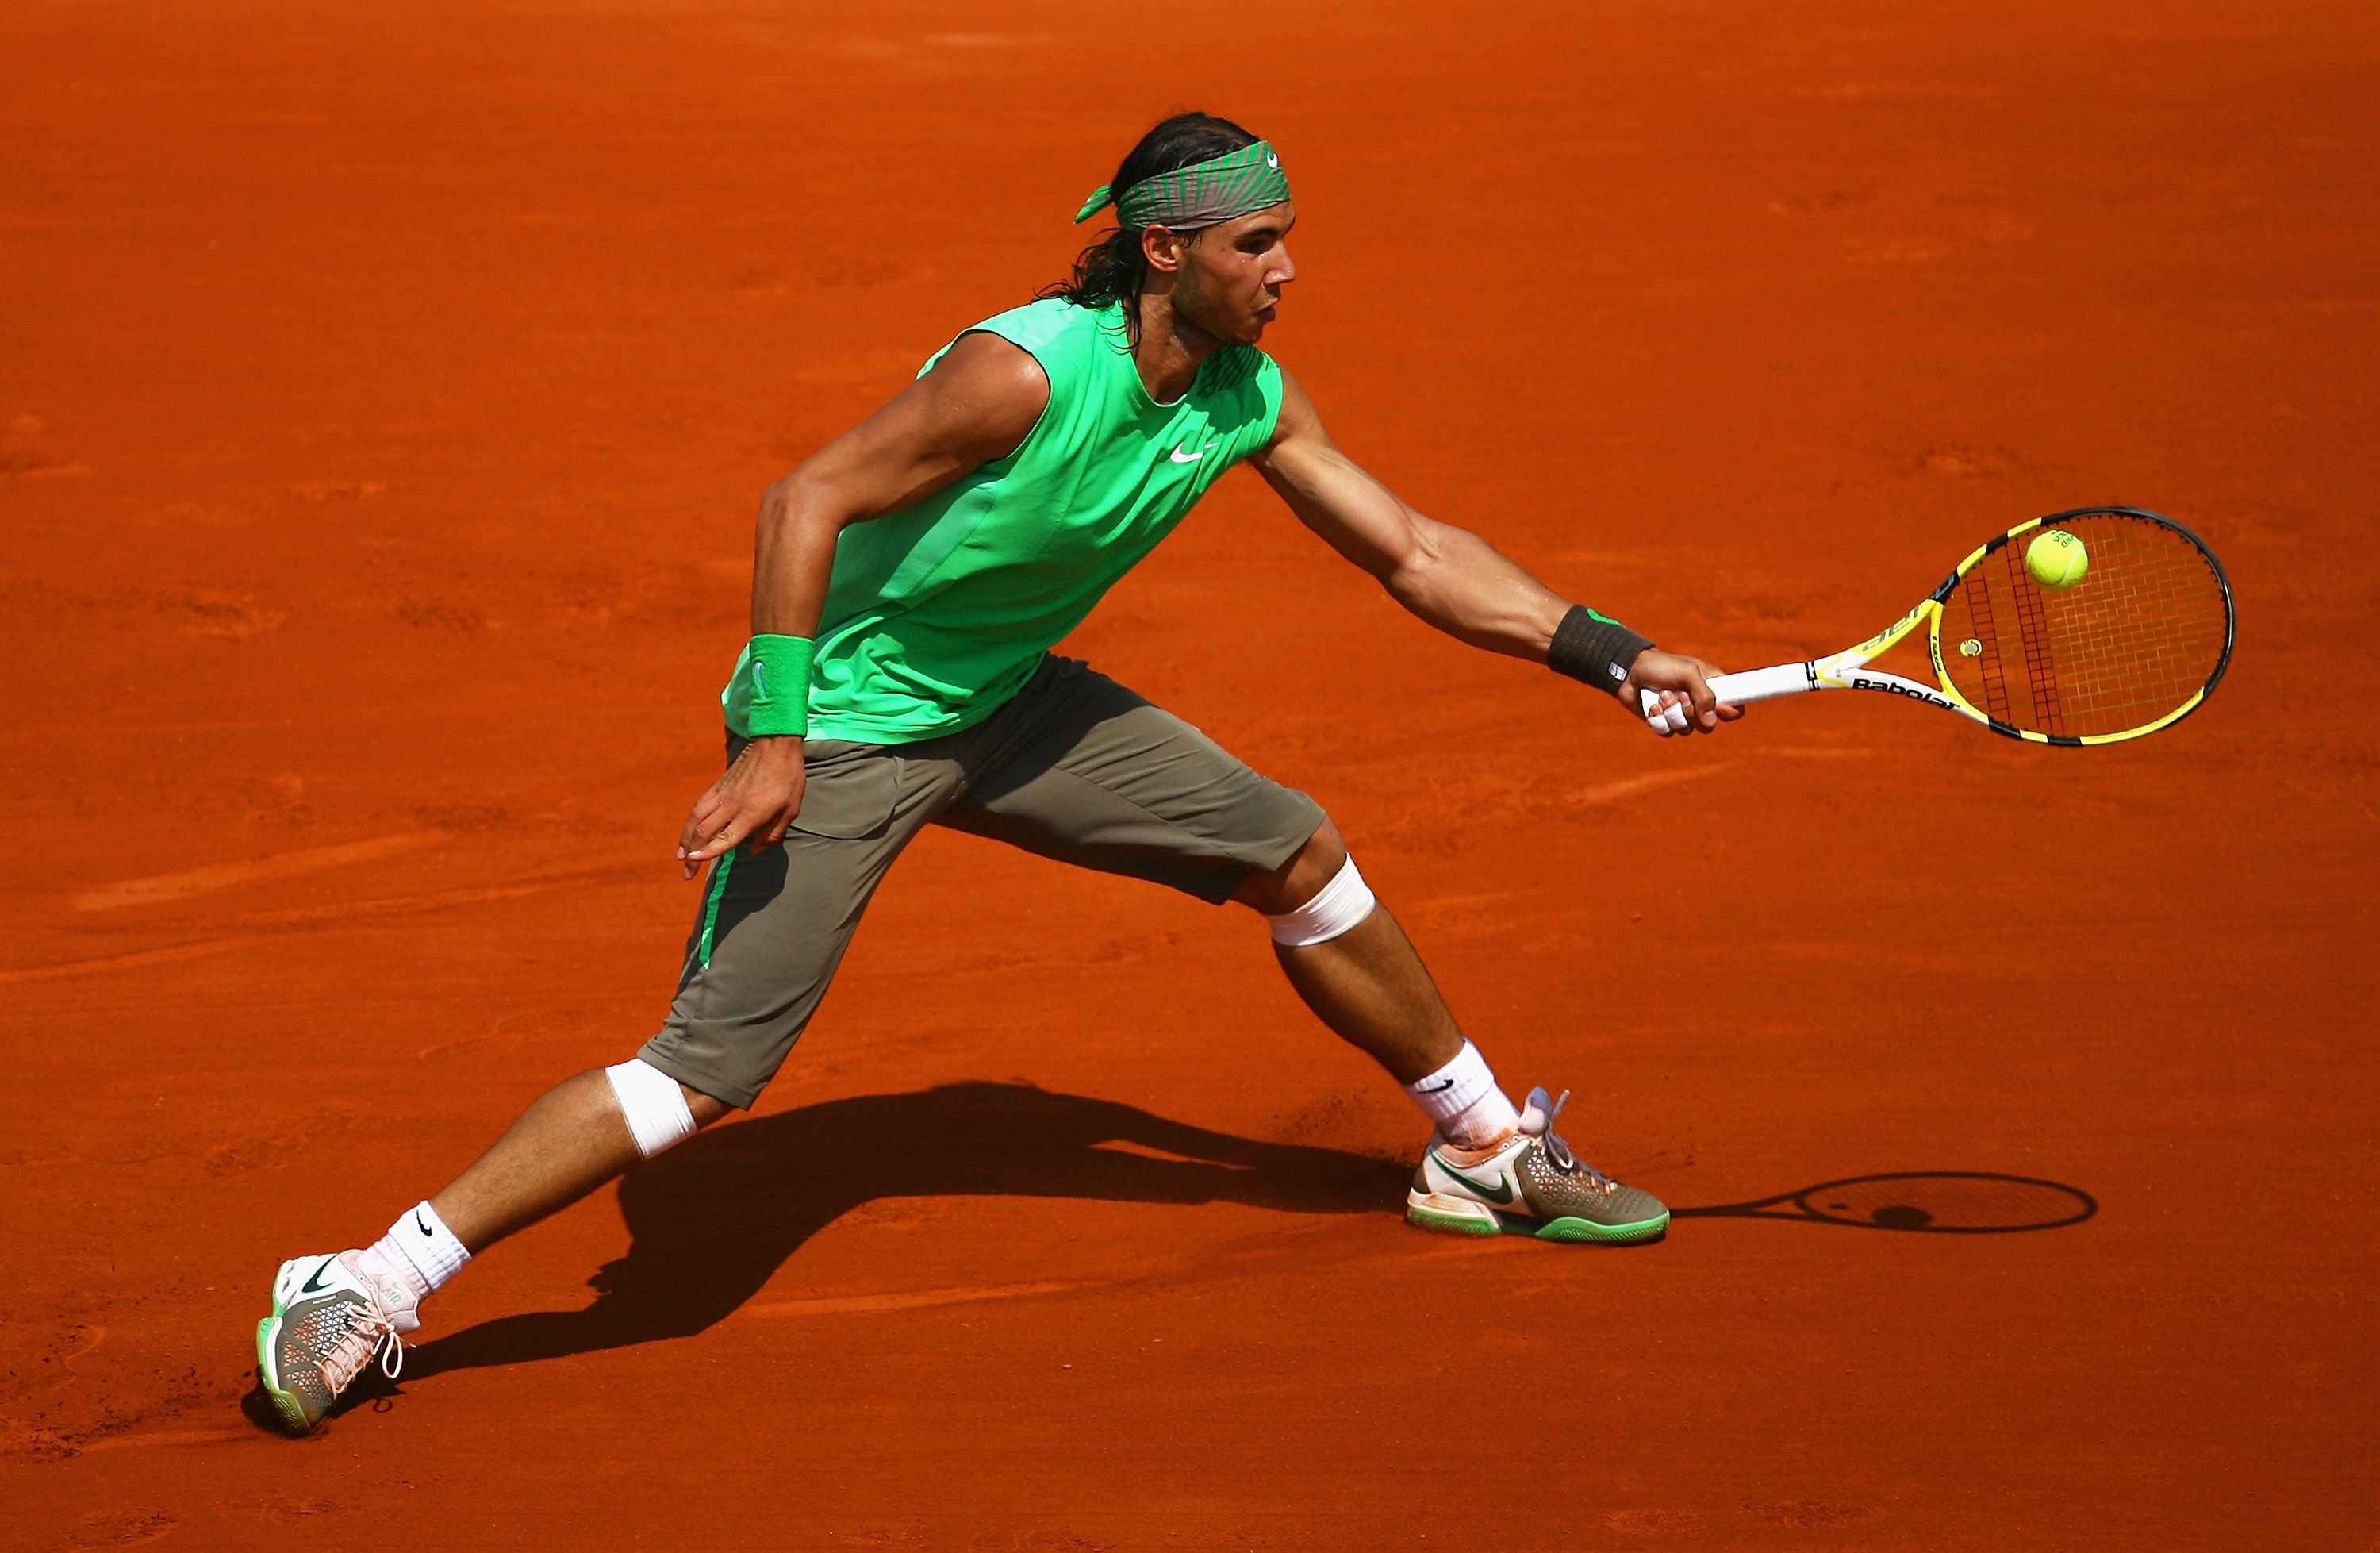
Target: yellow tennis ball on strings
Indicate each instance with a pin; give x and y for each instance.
(2057, 559)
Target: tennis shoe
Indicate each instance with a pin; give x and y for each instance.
(1529, 1184)
(332, 1316)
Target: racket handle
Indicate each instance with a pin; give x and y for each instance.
(1760, 684)
(1753, 684)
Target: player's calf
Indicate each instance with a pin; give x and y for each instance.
(1489, 1170)
(1360, 975)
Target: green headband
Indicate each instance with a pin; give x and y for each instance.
(1199, 195)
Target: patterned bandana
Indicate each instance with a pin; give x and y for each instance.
(1199, 195)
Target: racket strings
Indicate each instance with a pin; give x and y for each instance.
(1987, 640)
(2033, 632)
(2150, 644)
(2135, 640)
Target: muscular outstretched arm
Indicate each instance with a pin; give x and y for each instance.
(1447, 576)
(978, 404)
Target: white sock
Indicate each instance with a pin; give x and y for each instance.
(423, 1250)
(1461, 1097)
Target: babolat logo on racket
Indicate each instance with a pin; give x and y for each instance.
(1900, 688)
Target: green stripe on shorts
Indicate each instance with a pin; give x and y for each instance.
(711, 907)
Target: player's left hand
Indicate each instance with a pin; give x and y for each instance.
(1682, 700)
(752, 806)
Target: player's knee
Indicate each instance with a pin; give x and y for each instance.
(661, 1113)
(1295, 882)
(1318, 895)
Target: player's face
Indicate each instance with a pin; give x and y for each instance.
(1232, 278)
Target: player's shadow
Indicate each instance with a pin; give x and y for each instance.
(1921, 1202)
(712, 1219)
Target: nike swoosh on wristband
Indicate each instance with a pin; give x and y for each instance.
(1502, 1192)
(314, 1284)
(1437, 1089)
(418, 1225)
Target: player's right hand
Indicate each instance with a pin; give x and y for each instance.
(1672, 692)
(753, 804)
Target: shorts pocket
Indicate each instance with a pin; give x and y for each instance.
(848, 790)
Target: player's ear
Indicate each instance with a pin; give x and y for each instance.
(1162, 247)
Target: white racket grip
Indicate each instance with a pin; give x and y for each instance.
(1761, 684)
(1735, 689)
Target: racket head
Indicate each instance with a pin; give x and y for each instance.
(2135, 647)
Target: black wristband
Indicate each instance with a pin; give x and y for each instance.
(1594, 649)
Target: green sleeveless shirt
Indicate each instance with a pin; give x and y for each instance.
(938, 613)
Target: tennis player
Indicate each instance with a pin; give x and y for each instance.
(909, 582)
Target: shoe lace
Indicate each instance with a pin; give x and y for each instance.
(367, 1335)
(1539, 1119)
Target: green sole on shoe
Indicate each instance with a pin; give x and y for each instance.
(1449, 1224)
(1586, 1231)
(293, 1417)
(1569, 1231)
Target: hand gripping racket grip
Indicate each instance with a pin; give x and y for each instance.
(1760, 684)
(1735, 690)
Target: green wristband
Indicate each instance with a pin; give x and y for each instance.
(779, 671)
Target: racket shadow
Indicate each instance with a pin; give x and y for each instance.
(713, 1220)
(1921, 1202)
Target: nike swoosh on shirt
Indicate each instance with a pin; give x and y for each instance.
(1500, 1192)
(1182, 457)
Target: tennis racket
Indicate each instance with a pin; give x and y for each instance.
(2134, 646)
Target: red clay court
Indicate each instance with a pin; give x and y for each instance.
(386, 393)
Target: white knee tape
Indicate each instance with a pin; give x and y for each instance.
(652, 1104)
(1337, 907)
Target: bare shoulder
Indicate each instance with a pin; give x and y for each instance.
(978, 405)
(1299, 423)
(990, 386)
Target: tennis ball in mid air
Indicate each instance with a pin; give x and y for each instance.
(2057, 559)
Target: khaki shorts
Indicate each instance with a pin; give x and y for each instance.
(1074, 766)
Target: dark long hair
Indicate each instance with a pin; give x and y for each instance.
(1113, 269)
